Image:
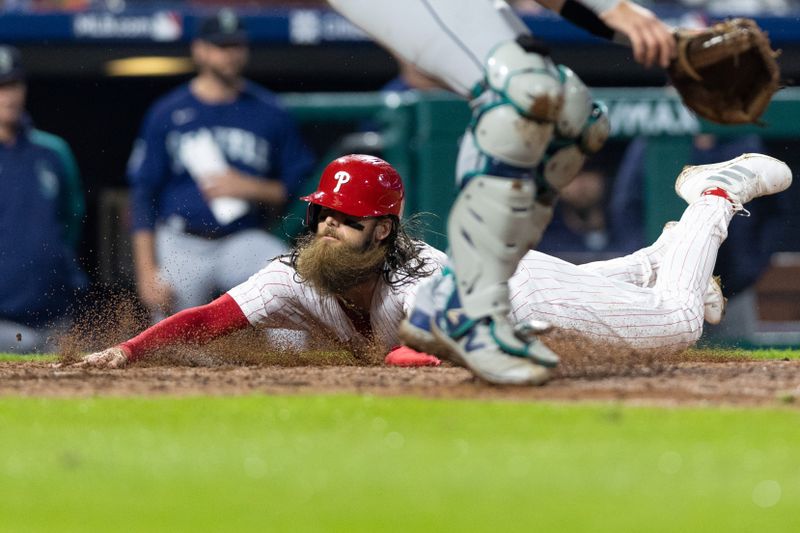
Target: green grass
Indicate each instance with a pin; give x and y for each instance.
(700, 352)
(769, 354)
(765, 354)
(17, 357)
(349, 463)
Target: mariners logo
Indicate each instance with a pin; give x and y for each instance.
(228, 21)
(6, 61)
(48, 181)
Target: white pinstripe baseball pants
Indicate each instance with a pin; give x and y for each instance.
(651, 299)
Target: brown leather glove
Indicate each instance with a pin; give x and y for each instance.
(726, 73)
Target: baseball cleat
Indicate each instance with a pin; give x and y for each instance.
(742, 178)
(415, 331)
(478, 346)
(490, 347)
(419, 336)
(714, 303)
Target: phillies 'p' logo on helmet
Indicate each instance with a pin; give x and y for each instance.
(358, 185)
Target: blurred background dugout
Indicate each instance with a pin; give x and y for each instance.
(95, 66)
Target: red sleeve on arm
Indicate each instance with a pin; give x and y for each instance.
(196, 325)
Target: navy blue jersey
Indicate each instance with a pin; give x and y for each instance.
(41, 212)
(256, 135)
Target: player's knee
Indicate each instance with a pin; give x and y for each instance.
(502, 134)
(581, 130)
(516, 107)
(692, 327)
(524, 76)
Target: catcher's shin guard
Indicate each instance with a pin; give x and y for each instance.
(490, 230)
(495, 219)
(581, 130)
(491, 226)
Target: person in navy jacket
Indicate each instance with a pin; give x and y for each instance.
(41, 214)
(212, 157)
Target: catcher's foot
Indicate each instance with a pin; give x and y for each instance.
(489, 347)
(415, 331)
(481, 347)
(741, 179)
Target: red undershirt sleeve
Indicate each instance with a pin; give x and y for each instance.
(197, 325)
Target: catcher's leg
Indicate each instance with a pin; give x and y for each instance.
(447, 40)
(502, 211)
(491, 225)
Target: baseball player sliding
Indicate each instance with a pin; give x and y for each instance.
(358, 274)
(350, 280)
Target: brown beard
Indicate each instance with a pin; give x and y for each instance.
(334, 268)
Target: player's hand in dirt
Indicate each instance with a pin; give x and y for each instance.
(115, 357)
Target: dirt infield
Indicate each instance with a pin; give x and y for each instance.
(244, 363)
(676, 382)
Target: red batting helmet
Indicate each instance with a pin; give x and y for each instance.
(359, 185)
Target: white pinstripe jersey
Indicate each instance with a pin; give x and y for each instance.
(274, 297)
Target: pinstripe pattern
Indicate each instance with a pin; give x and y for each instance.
(273, 298)
(639, 268)
(620, 308)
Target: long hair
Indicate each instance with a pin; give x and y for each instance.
(404, 262)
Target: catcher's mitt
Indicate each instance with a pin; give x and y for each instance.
(726, 73)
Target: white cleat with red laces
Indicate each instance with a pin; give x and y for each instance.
(742, 178)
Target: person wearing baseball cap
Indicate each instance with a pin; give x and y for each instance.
(214, 164)
(42, 198)
(11, 70)
(223, 29)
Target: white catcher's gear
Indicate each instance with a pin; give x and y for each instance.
(495, 219)
(500, 132)
(581, 130)
(577, 104)
(490, 230)
(522, 97)
(525, 78)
